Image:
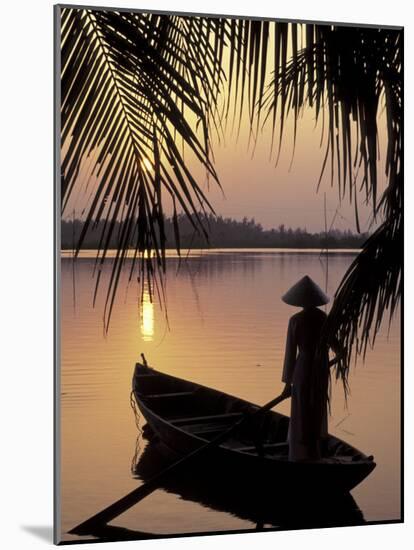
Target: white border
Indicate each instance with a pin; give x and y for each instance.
(26, 308)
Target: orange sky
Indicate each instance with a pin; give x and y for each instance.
(255, 187)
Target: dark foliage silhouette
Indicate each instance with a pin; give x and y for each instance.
(223, 233)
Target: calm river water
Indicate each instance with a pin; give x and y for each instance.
(227, 328)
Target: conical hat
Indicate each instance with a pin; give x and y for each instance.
(305, 293)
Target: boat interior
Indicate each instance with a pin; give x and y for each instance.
(205, 413)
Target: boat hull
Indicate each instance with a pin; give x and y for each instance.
(270, 472)
(228, 491)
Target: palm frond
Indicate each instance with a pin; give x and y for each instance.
(343, 71)
(129, 83)
(370, 288)
(346, 72)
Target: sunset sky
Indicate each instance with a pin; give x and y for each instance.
(254, 187)
(274, 195)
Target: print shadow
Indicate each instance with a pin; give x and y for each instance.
(43, 532)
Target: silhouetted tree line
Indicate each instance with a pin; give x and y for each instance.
(223, 233)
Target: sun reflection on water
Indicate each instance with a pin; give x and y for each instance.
(147, 316)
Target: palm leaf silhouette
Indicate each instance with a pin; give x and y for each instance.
(124, 78)
(347, 71)
(130, 83)
(135, 85)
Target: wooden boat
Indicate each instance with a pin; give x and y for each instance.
(185, 415)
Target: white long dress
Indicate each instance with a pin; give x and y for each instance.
(309, 379)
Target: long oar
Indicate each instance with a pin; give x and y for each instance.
(135, 496)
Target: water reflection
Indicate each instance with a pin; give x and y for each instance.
(147, 316)
(231, 492)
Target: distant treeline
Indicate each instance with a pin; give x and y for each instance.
(223, 233)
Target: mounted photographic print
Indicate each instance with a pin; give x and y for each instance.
(229, 249)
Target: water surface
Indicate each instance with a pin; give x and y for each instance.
(226, 329)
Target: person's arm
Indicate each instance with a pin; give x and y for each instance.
(287, 391)
(290, 359)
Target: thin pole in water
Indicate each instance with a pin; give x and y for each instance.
(73, 262)
(327, 246)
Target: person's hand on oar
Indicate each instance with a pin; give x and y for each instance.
(287, 391)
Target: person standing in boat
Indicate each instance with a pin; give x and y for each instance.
(306, 371)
